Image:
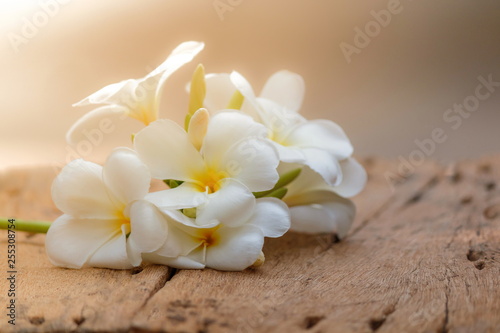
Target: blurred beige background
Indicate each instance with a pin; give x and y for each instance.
(393, 91)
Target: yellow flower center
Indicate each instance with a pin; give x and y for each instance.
(210, 180)
(209, 237)
(122, 219)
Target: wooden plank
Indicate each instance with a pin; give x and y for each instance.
(420, 257)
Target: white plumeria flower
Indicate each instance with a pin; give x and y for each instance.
(319, 144)
(228, 247)
(106, 222)
(316, 207)
(135, 98)
(233, 160)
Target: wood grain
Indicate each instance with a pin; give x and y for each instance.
(421, 257)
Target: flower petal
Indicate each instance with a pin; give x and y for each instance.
(354, 178)
(79, 191)
(285, 88)
(231, 205)
(96, 123)
(278, 119)
(219, 90)
(71, 242)
(236, 249)
(166, 149)
(180, 56)
(325, 164)
(322, 212)
(183, 262)
(113, 254)
(323, 134)
(186, 195)
(272, 217)
(225, 130)
(245, 88)
(148, 230)
(155, 80)
(186, 224)
(290, 154)
(119, 93)
(179, 242)
(307, 181)
(253, 162)
(126, 176)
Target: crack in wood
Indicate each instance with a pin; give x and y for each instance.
(433, 182)
(159, 285)
(444, 328)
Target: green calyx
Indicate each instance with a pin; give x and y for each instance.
(172, 183)
(189, 212)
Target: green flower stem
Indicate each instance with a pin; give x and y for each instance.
(285, 179)
(279, 193)
(24, 225)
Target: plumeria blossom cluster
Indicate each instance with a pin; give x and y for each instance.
(241, 168)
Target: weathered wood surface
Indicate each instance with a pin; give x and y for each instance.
(421, 258)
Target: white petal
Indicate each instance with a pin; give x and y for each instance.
(148, 229)
(183, 262)
(71, 242)
(112, 254)
(285, 88)
(155, 80)
(307, 181)
(186, 195)
(80, 192)
(219, 90)
(186, 224)
(271, 217)
(224, 131)
(232, 205)
(126, 176)
(323, 134)
(325, 164)
(290, 154)
(253, 162)
(278, 119)
(179, 242)
(134, 255)
(116, 93)
(180, 56)
(244, 87)
(93, 126)
(354, 178)
(236, 248)
(322, 212)
(166, 149)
